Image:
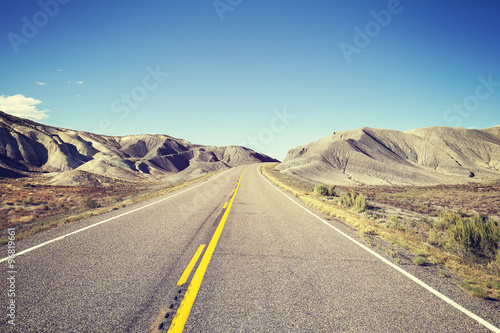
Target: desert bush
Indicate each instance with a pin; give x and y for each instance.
(437, 237)
(353, 199)
(90, 203)
(347, 199)
(419, 261)
(28, 200)
(324, 190)
(360, 205)
(395, 222)
(321, 190)
(332, 190)
(447, 219)
(475, 237)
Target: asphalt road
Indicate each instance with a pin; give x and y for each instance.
(267, 265)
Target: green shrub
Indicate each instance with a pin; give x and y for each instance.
(478, 292)
(353, 199)
(321, 190)
(360, 205)
(324, 190)
(473, 290)
(28, 200)
(332, 190)
(347, 199)
(437, 237)
(395, 222)
(447, 219)
(419, 261)
(476, 237)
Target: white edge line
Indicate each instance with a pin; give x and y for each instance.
(399, 269)
(107, 220)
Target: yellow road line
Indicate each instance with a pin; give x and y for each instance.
(182, 314)
(190, 266)
(225, 205)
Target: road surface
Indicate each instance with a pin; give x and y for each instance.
(260, 263)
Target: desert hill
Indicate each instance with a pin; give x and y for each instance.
(27, 147)
(426, 156)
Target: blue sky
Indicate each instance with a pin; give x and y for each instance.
(271, 75)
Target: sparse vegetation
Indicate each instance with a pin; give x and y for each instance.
(32, 207)
(347, 199)
(28, 200)
(475, 238)
(471, 199)
(395, 222)
(360, 205)
(353, 199)
(324, 190)
(419, 261)
(465, 245)
(321, 190)
(90, 203)
(473, 289)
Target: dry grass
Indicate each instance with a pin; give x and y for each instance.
(479, 280)
(25, 200)
(471, 199)
(32, 207)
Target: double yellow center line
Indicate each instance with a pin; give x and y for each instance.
(190, 266)
(182, 314)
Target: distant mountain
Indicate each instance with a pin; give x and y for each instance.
(433, 155)
(27, 147)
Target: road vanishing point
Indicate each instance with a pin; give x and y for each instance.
(233, 253)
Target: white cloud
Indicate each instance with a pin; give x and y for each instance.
(21, 106)
(79, 96)
(40, 83)
(79, 82)
(59, 70)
